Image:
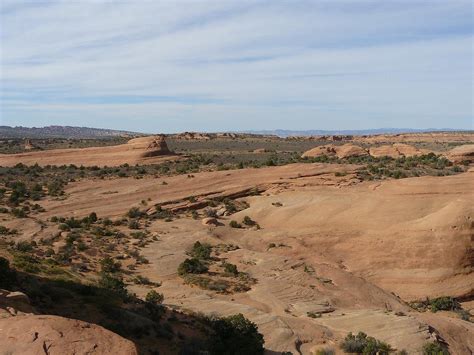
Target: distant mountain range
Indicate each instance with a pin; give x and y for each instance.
(62, 132)
(357, 132)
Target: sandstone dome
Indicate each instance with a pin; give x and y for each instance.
(396, 150)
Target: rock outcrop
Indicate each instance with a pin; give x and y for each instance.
(53, 335)
(350, 150)
(341, 151)
(461, 154)
(326, 150)
(157, 147)
(24, 332)
(396, 150)
(29, 145)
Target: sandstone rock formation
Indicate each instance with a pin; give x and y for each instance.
(157, 147)
(24, 332)
(350, 150)
(143, 150)
(396, 150)
(53, 335)
(320, 151)
(29, 145)
(342, 151)
(461, 154)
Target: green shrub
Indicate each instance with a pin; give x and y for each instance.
(235, 335)
(201, 251)
(324, 352)
(108, 265)
(19, 212)
(235, 224)
(248, 221)
(434, 349)
(4, 230)
(230, 269)
(114, 284)
(443, 304)
(154, 297)
(363, 344)
(142, 280)
(192, 266)
(134, 212)
(24, 246)
(92, 217)
(133, 224)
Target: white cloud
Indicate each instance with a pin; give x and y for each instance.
(238, 65)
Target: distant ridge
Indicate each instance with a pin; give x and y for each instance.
(356, 132)
(62, 132)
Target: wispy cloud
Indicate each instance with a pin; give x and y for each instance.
(220, 65)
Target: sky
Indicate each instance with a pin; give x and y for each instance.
(182, 65)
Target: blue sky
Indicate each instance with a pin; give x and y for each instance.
(159, 66)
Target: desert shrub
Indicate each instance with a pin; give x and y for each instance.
(324, 352)
(209, 212)
(192, 266)
(363, 344)
(434, 348)
(19, 192)
(19, 212)
(235, 224)
(27, 263)
(230, 269)
(138, 235)
(142, 280)
(230, 206)
(24, 246)
(154, 297)
(141, 259)
(92, 217)
(162, 214)
(235, 335)
(73, 223)
(4, 230)
(133, 224)
(55, 188)
(248, 221)
(108, 265)
(134, 212)
(114, 284)
(443, 304)
(81, 246)
(201, 251)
